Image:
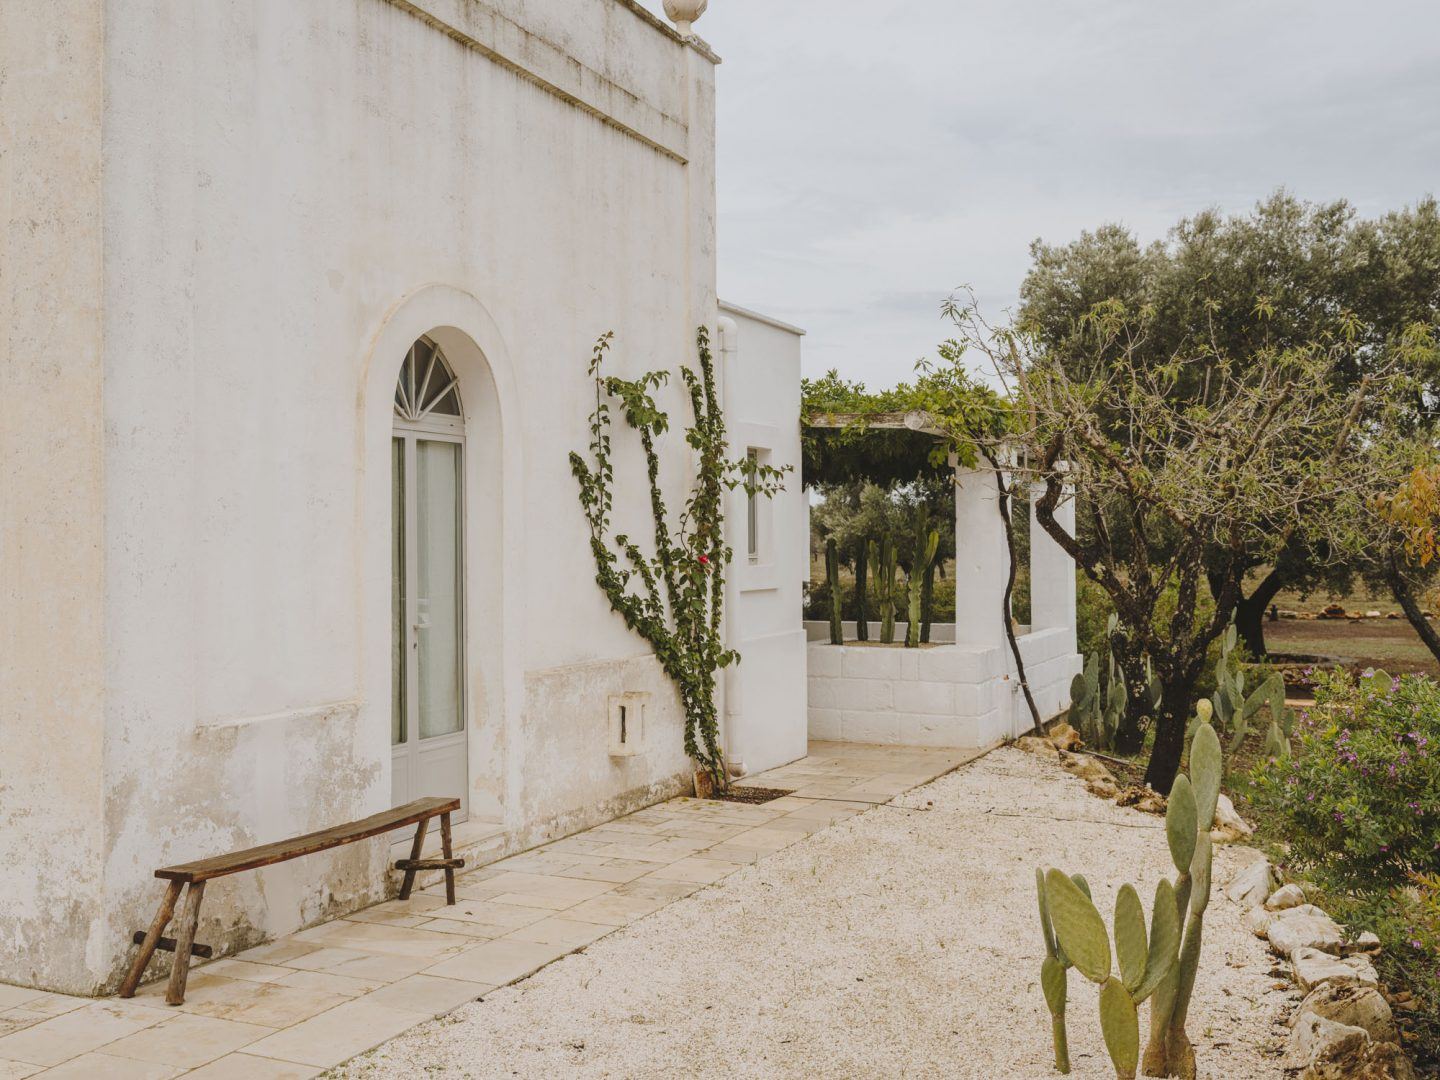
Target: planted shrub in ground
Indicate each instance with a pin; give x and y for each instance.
(1161, 966)
(1358, 803)
(1360, 796)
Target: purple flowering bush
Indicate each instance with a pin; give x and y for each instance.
(1359, 799)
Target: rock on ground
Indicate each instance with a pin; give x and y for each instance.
(1287, 896)
(1228, 826)
(1353, 1005)
(903, 943)
(1251, 886)
(1289, 932)
(1313, 967)
(1322, 1049)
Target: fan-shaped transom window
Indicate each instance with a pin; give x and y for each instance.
(427, 388)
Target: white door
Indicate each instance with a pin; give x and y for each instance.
(428, 729)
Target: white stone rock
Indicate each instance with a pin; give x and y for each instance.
(1322, 1049)
(1352, 1004)
(1229, 826)
(1366, 943)
(1251, 885)
(1314, 1038)
(1287, 896)
(1313, 967)
(1299, 910)
(1295, 932)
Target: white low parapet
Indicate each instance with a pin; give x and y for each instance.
(941, 694)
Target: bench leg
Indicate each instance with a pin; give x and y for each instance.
(184, 938)
(152, 938)
(446, 853)
(415, 849)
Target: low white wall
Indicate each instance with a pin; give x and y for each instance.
(945, 695)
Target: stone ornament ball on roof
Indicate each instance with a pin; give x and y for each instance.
(684, 12)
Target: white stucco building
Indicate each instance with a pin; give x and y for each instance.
(296, 305)
(296, 301)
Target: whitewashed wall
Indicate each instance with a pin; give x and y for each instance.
(765, 693)
(290, 194)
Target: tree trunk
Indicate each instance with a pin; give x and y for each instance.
(1169, 748)
(1250, 614)
(1130, 734)
(1404, 595)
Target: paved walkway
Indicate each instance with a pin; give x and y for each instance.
(299, 1005)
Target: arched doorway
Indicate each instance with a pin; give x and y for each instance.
(428, 723)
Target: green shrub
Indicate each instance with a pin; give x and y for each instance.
(1360, 798)
(1092, 608)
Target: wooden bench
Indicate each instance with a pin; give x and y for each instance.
(196, 874)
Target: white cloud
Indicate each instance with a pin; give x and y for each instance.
(873, 155)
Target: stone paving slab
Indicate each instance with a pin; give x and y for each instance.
(291, 1008)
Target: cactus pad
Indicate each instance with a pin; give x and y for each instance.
(1205, 770)
(1180, 823)
(1164, 940)
(1131, 946)
(1078, 926)
(1120, 1026)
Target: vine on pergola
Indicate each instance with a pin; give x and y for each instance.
(673, 596)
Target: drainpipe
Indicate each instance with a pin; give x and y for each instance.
(729, 335)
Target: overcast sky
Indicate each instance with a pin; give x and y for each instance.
(874, 154)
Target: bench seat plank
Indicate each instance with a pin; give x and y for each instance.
(267, 854)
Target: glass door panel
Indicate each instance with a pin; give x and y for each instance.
(438, 606)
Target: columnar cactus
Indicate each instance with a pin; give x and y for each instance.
(873, 557)
(862, 600)
(925, 547)
(887, 589)
(832, 577)
(1162, 964)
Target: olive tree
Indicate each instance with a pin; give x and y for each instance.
(1283, 276)
(1170, 486)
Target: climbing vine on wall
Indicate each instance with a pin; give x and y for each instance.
(673, 595)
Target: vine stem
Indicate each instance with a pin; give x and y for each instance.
(1004, 503)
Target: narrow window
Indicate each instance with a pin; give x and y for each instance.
(752, 507)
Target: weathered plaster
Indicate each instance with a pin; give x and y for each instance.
(52, 569)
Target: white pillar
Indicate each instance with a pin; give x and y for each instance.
(1052, 571)
(982, 560)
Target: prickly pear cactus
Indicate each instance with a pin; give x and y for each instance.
(1054, 979)
(1160, 965)
(1188, 817)
(1075, 935)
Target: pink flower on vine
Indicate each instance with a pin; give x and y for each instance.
(704, 560)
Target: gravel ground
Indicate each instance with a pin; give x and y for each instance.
(901, 943)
